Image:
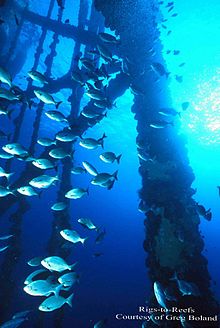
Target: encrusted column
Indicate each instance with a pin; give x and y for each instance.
(173, 240)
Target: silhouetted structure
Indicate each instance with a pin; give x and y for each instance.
(166, 179)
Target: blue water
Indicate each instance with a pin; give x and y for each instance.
(117, 281)
(194, 32)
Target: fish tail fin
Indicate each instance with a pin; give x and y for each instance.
(83, 240)
(58, 104)
(87, 191)
(13, 192)
(111, 185)
(69, 300)
(8, 175)
(101, 140)
(57, 290)
(115, 175)
(118, 158)
(72, 267)
(102, 143)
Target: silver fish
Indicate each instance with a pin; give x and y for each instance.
(66, 136)
(110, 157)
(15, 149)
(108, 38)
(27, 191)
(43, 164)
(185, 287)
(104, 52)
(42, 288)
(76, 193)
(89, 113)
(6, 94)
(5, 155)
(90, 168)
(56, 263)
(43, 181)
(38, 77)
(46, 142)
(13, 323)
(169, 112)
(22, 314)
(5, 77)
(60, 153)
(87, 223)
(90, 143)
(159, 69)
(56, 116)
(6, 237)
(103, 178)
(72, 236)
(31, 276)
(160, 124)
(100, 324)
(88, 64)
(78, 77)
(68, 279)
(78, 170)
(159, 294)
(5, 111)
(185, 105)
(53, 303)
(61, 206)
(35, 261)
(2, 249)
(96, 94)
(46, 98)
(5, 191)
